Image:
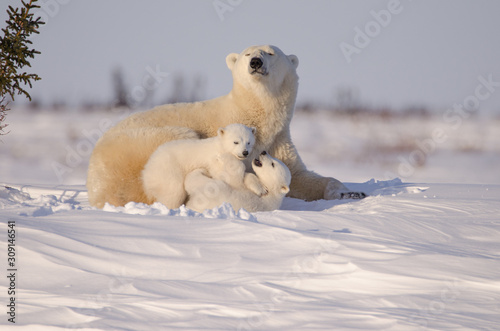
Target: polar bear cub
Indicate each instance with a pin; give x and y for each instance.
(164, 173)
(206, 193)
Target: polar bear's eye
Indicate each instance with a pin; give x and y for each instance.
(236, 143)
(272, 164)
(247, 54)
(271, 54)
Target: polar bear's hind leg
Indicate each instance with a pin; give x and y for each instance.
(118, 158)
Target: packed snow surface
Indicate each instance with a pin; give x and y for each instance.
(413, 255)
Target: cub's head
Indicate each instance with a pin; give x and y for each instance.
(259, 65)
(272, 173)
(237, 139)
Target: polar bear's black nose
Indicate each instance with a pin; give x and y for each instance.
(255, 63)
(245, 153)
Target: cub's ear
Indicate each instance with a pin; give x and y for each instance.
(253, 130)
(294, 59)
(220, 132)
(285, 189)
(231, 60)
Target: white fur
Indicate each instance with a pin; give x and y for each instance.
(164, 173)
(206, 193)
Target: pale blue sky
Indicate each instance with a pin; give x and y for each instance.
(430, 53)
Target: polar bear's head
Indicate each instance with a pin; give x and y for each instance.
(237, 139)
(273, 174)
(262, 65)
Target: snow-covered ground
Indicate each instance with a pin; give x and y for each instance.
(420, 253)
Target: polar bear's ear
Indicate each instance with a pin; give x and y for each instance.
(294, 59)
(253, 130)
(285, 189)
(220, 132)
(231, 60)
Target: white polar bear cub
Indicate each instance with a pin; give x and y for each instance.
(206, 193)
(164, 173)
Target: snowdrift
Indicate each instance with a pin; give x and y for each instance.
(408, 257)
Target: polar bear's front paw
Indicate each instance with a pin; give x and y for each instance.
(253, 184)
(352, 195)
(260, 191)
(336, 190)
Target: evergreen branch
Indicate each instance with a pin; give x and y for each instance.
(15, 52)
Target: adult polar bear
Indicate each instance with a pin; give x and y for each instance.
(265, 84)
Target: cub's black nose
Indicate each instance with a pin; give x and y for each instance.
(255, 63)
(263, 153)
(245, 153)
